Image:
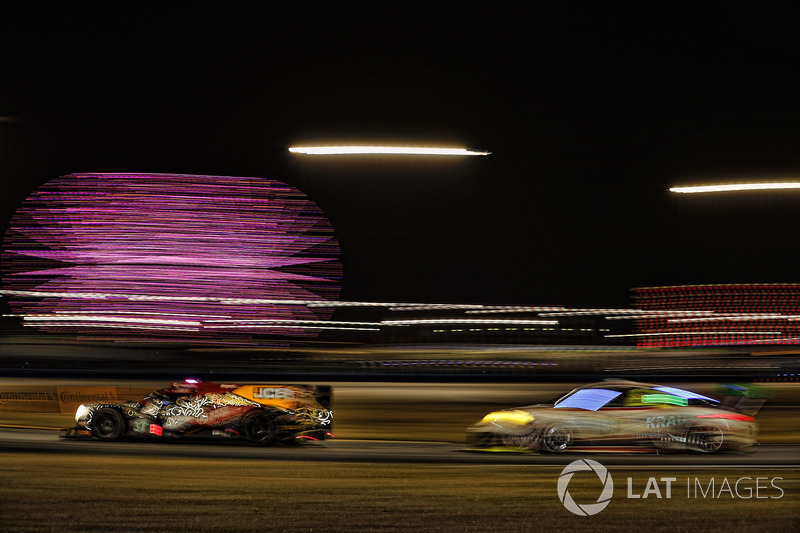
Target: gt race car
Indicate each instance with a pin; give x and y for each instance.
(627, 415)
(261, 414)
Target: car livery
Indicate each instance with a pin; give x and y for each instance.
(617, 414)
(261, 414)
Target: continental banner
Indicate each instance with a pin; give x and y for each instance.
(29, 399)
(69, 398)
(64, 400)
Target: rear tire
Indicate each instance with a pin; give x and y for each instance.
(705, 439)
(108, 424)
(259, 428)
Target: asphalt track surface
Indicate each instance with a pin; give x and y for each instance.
(374, 451)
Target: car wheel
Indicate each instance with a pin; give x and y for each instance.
(259, 428)
(108, 424)
(556, 438)
(705, 438)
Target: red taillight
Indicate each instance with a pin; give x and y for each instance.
(156, 429)
(328, 433)
(729, 416)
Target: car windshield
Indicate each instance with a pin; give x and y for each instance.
(588, 399)
(687, 395)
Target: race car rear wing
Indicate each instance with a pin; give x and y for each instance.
(749, 399)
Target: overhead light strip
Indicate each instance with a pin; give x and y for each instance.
(731, 187)
(390, 150)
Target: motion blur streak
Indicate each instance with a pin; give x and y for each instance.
(756, 313)
(396, 150)
(464, 321)
(735, 187)
(135, 251)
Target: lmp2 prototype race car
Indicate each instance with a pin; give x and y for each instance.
(625, 415)
(260, 414)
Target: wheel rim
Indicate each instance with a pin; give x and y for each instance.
(105, 425)
(557, 438)
(260, 429)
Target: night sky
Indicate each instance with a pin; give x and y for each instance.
(590, 113)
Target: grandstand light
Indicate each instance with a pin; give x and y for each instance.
(465, 321)
(390, 150)
(732, 187)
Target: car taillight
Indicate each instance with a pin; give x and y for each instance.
(729, 416)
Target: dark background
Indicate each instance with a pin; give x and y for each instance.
(590, 112)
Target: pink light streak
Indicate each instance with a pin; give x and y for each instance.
(188, 246)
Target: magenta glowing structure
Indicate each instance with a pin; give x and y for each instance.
(164, 255)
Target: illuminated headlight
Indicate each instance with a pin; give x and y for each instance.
(519, 418)
(81, 412)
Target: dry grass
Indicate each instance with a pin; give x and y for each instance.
(75, 493)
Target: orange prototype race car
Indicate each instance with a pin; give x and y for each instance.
(261, 414)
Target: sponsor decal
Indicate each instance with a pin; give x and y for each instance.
(273, 393)
(654, 422)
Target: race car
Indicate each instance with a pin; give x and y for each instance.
(261, 414)
(625, 415)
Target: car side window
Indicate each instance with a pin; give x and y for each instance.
(637, 397)
(619, 401)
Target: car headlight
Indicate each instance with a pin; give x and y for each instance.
(517, 417)
(81, 413)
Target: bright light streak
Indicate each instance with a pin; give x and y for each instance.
(394, 150)
(270, 321)
(736, 187)
(465, 321)
(740, 318)
(698, 333)
(515, 309)
(287, 326)
(100, 318)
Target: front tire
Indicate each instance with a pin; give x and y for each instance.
(108, 424)
(556, 438)
(259, 428)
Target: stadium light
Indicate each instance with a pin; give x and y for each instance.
(736, 187)
(391, 150)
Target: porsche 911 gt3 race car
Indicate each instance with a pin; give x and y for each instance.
(261, 414)
(620, 414)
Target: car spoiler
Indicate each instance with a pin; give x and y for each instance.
(748, 399)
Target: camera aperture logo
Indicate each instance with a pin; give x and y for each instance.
(587, 509)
